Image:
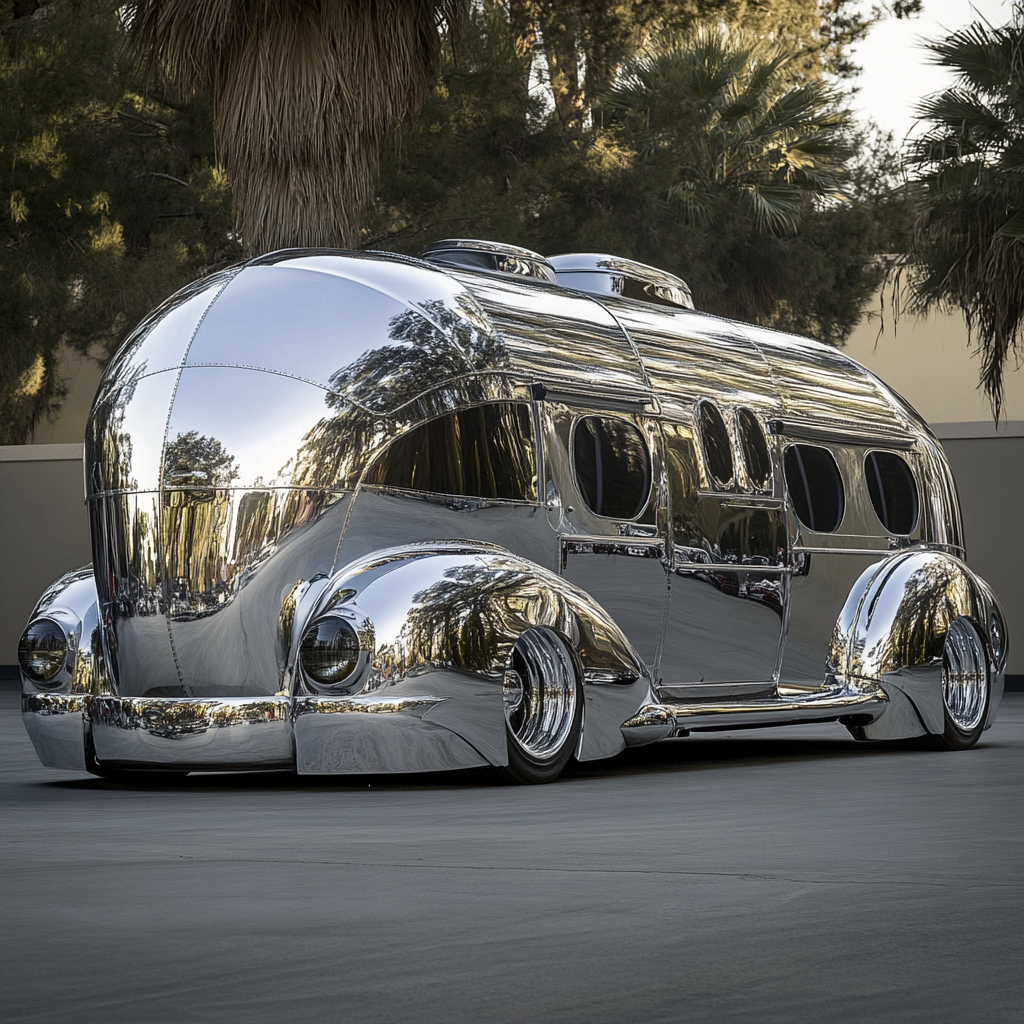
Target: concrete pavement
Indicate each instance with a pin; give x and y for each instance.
(773, 876)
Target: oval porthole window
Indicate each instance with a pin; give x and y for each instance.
(893, 491)
(715, 442)
(815, 487)
(612, 467)
(755, 450)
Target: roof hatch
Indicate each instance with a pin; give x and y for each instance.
(479, 254)
(601, 274)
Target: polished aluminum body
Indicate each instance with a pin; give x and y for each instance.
(407, 455)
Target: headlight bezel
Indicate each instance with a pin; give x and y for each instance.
(58, 671)
(350, 633)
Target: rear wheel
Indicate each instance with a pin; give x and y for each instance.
(965, 689)
(543, 707)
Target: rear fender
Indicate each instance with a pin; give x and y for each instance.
(893, 628)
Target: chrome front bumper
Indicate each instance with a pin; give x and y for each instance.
(311, 735)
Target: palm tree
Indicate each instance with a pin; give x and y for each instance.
(717, 114)
(305, 94)
(968, 245)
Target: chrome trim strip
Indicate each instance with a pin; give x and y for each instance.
(748, 567)
(619, 399)
(791, 704)
(734, 500)
(369, 705)
(822, 432)
(874, 552)
(637, 547)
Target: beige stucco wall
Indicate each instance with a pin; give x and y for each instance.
(82, 377)
(930, 362)
(44, 530)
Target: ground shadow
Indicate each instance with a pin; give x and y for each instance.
(675, 756)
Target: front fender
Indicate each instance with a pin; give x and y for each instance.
(54, 712)
(893, 628)
(445, 617)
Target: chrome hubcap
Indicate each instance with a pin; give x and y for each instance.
(964, 676)
(540, 693)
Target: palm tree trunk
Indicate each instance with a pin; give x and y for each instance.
(305, 92)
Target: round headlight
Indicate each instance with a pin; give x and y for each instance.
(329, 650)
(42, 650)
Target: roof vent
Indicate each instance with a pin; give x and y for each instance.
(478, 254)
(600, 274)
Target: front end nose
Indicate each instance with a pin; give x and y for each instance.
(230, 497)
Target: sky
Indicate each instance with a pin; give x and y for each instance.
(896, 73)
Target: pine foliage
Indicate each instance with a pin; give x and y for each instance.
(712, 156)
(112, 198)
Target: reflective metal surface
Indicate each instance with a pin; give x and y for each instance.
(257, 474)
(601, 274)
(485, 255)
(909, 624)
(964, 675)
(540, 697)
(191, 735)
(835, 702)
(447, 618)
(55, 723)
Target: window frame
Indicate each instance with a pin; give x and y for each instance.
(420, 492)
(844, 489)
(638, 427)
(712, 482)
(918, 504)
(749, 485)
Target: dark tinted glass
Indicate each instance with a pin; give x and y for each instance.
(485, 452)
(815, 487)
(715, 439)
(893, 491)
(755, 450)
(613, 467)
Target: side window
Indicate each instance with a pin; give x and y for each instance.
(893, 491)
(715, 442)
(612, 467)
(815, 487)
(486, 452)
(755, 451)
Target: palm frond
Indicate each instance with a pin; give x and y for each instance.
(775, 208)
(719, 103)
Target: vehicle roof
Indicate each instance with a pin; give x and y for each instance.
(380, 329)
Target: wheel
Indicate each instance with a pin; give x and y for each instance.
(543, 707)
(965, 689)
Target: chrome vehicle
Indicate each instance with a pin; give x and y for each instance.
(356, 512)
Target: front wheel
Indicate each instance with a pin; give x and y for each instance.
(543, 707)
(965, 689)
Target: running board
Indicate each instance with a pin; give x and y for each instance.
(653, 722)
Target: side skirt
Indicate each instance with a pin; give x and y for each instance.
(854, 702)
